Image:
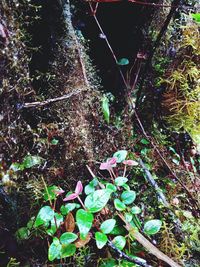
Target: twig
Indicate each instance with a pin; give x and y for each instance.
(154, 184)
(136, 260)
(52, 100)
(131, 1)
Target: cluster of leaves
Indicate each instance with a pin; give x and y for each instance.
(28, 162)
(72, 225)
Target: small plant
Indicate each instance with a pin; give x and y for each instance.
(107, 214)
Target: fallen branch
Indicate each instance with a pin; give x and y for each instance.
(136, 260)
(154, 184)
(52, 100)
(147, 244)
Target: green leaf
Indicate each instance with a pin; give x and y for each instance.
(118, 230)
(84, 221)
(55, 223)
(109, 263)
(101, 239)
(120, 181)
(23, 233)
(123, 61)
(96, 201)
(119, 205)
(196, 17)
(107, 226)
(144, 141)
(54, 142)
(128, 197)
(120, 155)
(68, 238)
(135, 210)
(49, 192)
(119, 242)
(30, 161)
(152, 227)
(54, 249)
(68, 250)
(106, 109)
(44, 216)
(126, 187)
(16, 167)
(176, 161)
(90, 188)
(128, 217)
(111, 187)
(65, 209)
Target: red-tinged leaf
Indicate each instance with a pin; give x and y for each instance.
(79, 188)
(105, 166)
(70, 197)
(130, 162)
(59, 192)
(81, 243)
(112, 162)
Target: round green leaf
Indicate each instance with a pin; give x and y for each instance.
(119, 242)
(135, 210)
(119, 181)
(123, 61)
(23, 233)
(96, 201)
(30, 161)
(45, 215)
(128, 197)
(107, 226)
(68, 250)
(120, 155)
(119, 205)
(101, 239)
(152, 227)
(54, 250)
(68, 238)
(84, 221)
(111, 187)
(65, 209)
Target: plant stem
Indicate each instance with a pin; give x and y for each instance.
(81, 203)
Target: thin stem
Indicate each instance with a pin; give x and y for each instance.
(124, 174)
(81, 203)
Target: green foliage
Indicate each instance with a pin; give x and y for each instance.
(79, 218)
(106, 109)
(196, 17)
(152, 227)
(123, 61)
(84, 221)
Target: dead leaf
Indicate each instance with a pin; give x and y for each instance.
(69, 222)
(81, 243)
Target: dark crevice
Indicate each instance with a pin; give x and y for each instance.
(125, 26)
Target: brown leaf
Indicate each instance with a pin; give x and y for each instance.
(69, 222)
(81, 243)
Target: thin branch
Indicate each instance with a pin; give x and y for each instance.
(131, 1)
(154, 184)
(52, 100)
(121, 254)
(147, 244)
